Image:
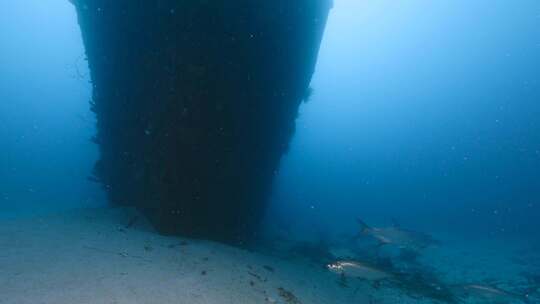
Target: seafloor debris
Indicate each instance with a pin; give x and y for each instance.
(532, 289)
(269, 268)
(270, 300)
(122, 254)
(288, 296)
(258, 277)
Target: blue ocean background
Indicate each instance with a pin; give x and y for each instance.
(423, 113)
(45, 121)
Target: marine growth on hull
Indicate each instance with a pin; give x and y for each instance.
(196, 103)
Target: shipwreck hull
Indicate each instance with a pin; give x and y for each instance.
(196, 103)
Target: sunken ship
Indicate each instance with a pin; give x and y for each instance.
(195, 102)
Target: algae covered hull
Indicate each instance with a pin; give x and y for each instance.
(196, 103)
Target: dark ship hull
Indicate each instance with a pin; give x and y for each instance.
(196, 103)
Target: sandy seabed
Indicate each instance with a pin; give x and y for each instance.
(90, 256)
(112, 256)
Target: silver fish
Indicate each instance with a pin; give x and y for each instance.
(490, 294)
(397, 236)
(351, 269)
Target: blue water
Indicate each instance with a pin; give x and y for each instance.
(45, 120)
(425, 113)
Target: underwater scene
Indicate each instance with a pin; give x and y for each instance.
(270, 152)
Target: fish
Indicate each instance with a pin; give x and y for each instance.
(402, 238)
(352, 269)
(490, 294)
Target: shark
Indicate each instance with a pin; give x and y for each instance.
(397, 236)
(490, 294)
(358, 270)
